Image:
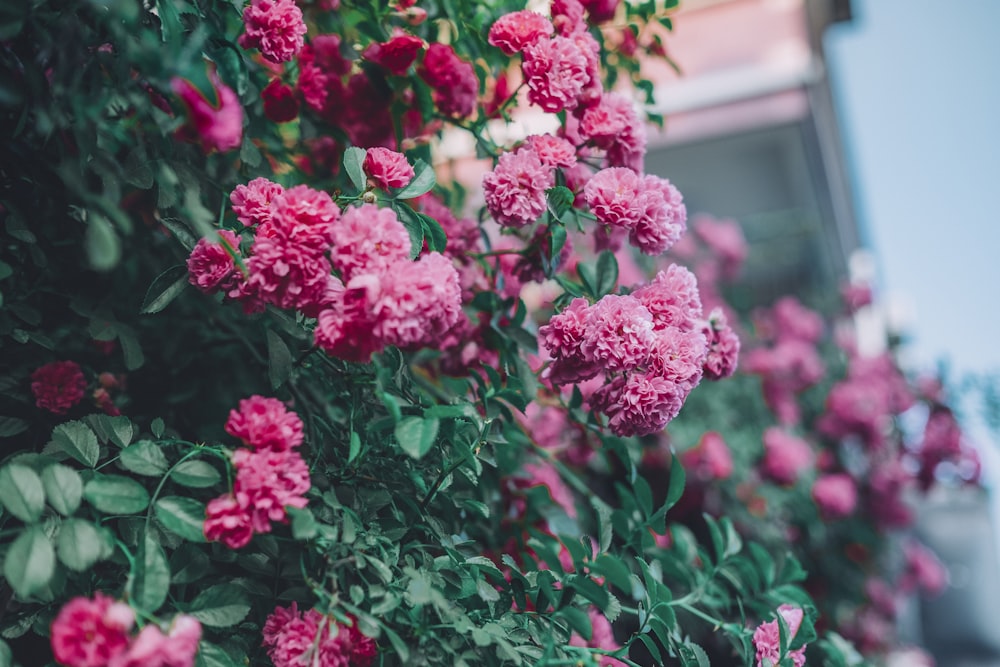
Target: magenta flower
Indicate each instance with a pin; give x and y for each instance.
(268, 481)
(369, 240)
(418, 302)
(638, 404)
(58, 386)
(515, 189)
(280, 103)
(723, 347)
(553, 151)
(218, 127)
(252, 203)
(513, 31)
(387, 169)
(786, 456)
(672, 297)
(836, 495)
(454, 80)
(613, 197)
(395, 55)
(91, 632)
(556, 71)
(210, 266)
(619, 335)
(767, 638)
(265, 423)
(710, 459)
(228, 522)
(290, 637)
(275, 27)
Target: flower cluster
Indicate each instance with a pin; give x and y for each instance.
(786, 456)
(648, 345)
(293, 638)
(351, 270)
(275, 27)
(767, 638)
(270, 474)
(96, 632)
(791, 363)
(58, 386)
(648, 207)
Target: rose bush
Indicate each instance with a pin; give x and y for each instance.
(270, 396)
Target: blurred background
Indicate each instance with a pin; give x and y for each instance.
(856, 141)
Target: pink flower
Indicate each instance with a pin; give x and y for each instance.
(58, 386)
(678, 356)
(289, 275)
(923, 569)
(664, 218)
(151, 648)
(672, 297)
(267, 481)
(211, 266)
(305, 216)
(602, 636)
(454, 80)
(275, 27)
(291, 638)
(792, 320)
(613, 197)
(567, 16)
(767, 638)
(320, 69)
(280, 103)
(227, 522)
(855, 295)
(217, 127)
(639, 404)
(553, 151)
(344, 329)
(515, 189)
(146, 649)
(614, 126)
(619, 334)
(600, 11)
(418, 302)
(545, 474)
(726, 241)
(252, 202)
(513, 31)
(90, 632)
(786, 457)
(723, 347)
(387, 169)
(710, 459)
(264, 423)
(369, 240)
(556, 71)
(397, 54)
(563, 338)
(836, 495)
(185, 633)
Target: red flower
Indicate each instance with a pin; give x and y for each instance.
(58, 386)
(397, 54)
(280, 103)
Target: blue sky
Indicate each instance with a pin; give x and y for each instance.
(918, 88)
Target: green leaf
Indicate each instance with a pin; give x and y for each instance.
(79, 544)
(603, 522)
(607, 273)
(416, 435)
(437, 240)
(211, 655)
(21, 492)
(137, 169)
(78, 441)
(185, 517)
(578, 620)
(279, 360)
(116, 495)
(144, 458)
(354, 160)
(149, 580)
(157, 427)
(130, 347)
(104, 248)
(11, 426)
(13, 14)
(560, 200)
(188, 564)
(414, 227)
(355, 447)
(304, 526)
(118, 430)
(165, 288)
(196, 474)
(221, 606)
(677, 479)
(30, 562)
(63, 488)
(6, 656)
(692, 655)
(422, 182)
